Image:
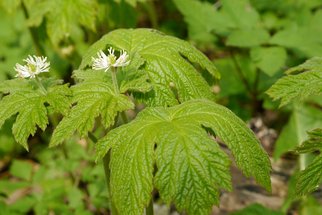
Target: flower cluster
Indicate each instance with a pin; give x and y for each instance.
(105, 62)
(34, 66)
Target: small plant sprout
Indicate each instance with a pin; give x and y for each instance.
(34, 66)
(105, 62)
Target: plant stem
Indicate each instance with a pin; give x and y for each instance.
(302, 161)
(92, 137)
(124, 117)
(106, 164)
(240, 73)
(149, 209)
(114, 79)
(117, 91)
(41, 87)
(251, 90)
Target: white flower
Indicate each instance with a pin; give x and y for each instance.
(106, 62)
(34, 66)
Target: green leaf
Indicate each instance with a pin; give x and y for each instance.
(21, 169)
(23, 205)
(229, 84)
(302, 119)
(14, 86)
(248, 37)
(256, 209)
(299, 40)
(299, 86)
(241, 13)
(10, 5)
(26, 99)
(63, 18)
(133, 79)
(191, 167)
(131, 2)
(269, 59)
(310, 205)
(15, 41)
(221, 20)
(168, 61)
(311, 65)
(57, 99)
(201, 24)
(309, 179)
(304, 37)
(92, 97)
(314, 142)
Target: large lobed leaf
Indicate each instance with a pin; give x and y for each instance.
(32, 104)
(301, 82)
(171, 64)
(309, 179)
(190, 166)
(94, 96)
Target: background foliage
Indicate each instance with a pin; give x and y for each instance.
(251, 42)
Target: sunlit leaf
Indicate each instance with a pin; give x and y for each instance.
(309, 179)
(191, 167)
(301, 82)
(29, 103)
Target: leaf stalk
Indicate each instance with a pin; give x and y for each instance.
(149, 209)
(114, 79)
(106, 164)
(40, 85)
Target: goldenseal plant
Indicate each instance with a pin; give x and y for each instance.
(170, 146)
(32, 99)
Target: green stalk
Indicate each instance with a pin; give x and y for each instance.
(114, 79)
(149, 209)
(40, 85)
(117, 91)
(106, 165)
(302, 161)
(107, 157)
(240, 73)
